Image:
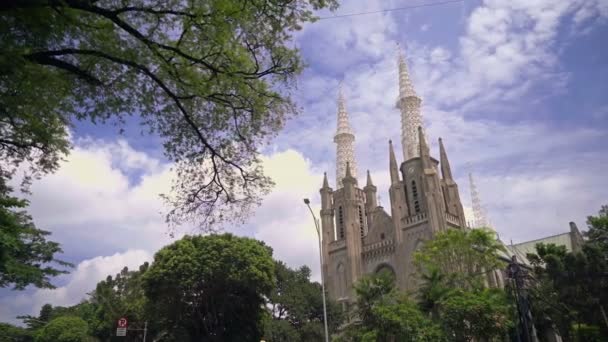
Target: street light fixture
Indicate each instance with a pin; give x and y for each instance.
(307, 202)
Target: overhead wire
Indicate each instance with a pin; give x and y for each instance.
(432, 4)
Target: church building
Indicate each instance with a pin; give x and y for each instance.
(359, 236)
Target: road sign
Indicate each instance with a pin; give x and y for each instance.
(122, 322)
(121, 331)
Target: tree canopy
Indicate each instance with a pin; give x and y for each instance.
(570, 289)
(296, 307)
(26, 257)
(212, 78)
(211, 288)
(64, 329)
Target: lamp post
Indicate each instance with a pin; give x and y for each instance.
(307, 202)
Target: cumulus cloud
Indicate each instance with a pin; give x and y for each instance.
(81, 281)
(100, 214)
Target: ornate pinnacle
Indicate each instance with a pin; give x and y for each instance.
(344, 139)
(343, 124)
(446, 171)
(409, 105)
(479, 217)
(393, 168)
(369, 179)
(406, 88)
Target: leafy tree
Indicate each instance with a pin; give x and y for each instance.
(9, 332)
(26, 257)
(453, 269)
(116, 297)
(64, 329)
(479, 315)
(210, 288)
(570, 288)
(598, 229)
(296, 307)
(211, 78)
(386, 315)
(462, 258)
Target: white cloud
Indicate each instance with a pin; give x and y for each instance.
(81, 281)
(93, 209)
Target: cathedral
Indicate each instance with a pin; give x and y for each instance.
(359, 236)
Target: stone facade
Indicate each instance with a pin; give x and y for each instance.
(359, 236)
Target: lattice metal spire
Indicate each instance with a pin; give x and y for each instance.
(479, 217)
(344, 139)
(409, 105)
(406, 88)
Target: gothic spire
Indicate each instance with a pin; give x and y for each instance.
(409, 105)
(446, 171)
(479, 217)
(348, 174)
(424, 150)
(344, 140)
(325, 182)
(394, 170)
(369, 179)
(406, 88)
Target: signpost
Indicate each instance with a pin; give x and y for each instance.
(121, 330)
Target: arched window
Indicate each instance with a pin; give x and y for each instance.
(361, 225)
(340, 223)
(385, 270)
(415, 196)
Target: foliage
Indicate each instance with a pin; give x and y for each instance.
(64, 329)
(211, 288)
(386, 315)
(296, 307)
(121, 296)
(9, 332)
(26, 257)
(598, 229)
(370, 291)
(571, 288)
(453, 270)
(212, 78)
(463, 258)
(476, 315)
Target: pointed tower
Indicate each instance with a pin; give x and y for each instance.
(479, 216)
(371, 201)
(431, 187)
(409, 105)
(399, 207)
(344, 139)
(327, 224)
(451, 196)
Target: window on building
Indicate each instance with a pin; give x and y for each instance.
(415, 197)
(340, 223)
(361, 225)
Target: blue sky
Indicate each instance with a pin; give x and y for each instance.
(516, 88)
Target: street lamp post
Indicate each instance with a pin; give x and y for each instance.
(307, 202)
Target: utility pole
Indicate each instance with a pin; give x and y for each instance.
(307, 202)
(145, 330)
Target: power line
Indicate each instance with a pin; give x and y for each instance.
(392, 9)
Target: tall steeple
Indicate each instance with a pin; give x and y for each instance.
(479, 217)
(409, 105)
(424, 150)
(392, 165)
(446, 171)
(344, 139)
